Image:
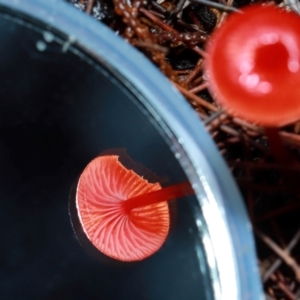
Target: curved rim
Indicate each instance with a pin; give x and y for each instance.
(229, 242)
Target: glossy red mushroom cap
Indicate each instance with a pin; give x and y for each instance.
(127, 236)
(253, 65)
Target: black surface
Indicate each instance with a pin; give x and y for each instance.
(57, 112)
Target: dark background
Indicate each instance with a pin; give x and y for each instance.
(57, 112)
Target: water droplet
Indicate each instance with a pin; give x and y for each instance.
(48, 36)
(180, 141)
(41, 46)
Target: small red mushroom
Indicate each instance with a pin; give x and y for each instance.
(122, 214)
(253, 67)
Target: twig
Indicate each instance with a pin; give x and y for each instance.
(235, 133)
(168, 28)
(276, 264)
(265, 166)
(152, 46)
(283, 288)
(212, 117)
(89, 6)
(195, 72)
(199, 88)
(177, 9)
(281, 253)
(157, 21)
(224, 14)
(218, 6)
(158, 7)
(196, 98)
(277, 212)
(290, 138)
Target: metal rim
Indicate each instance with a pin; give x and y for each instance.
(229, 239)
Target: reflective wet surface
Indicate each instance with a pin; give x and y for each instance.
(58, 112)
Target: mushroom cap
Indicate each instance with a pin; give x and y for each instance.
(253, 65)
(102, 188)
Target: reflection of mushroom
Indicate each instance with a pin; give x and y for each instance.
(122, 214)
(253, 68)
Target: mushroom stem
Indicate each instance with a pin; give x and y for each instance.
(277, 147)
(165, 194)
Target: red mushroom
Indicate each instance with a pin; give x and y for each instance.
(123, 215)
(253, 67)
